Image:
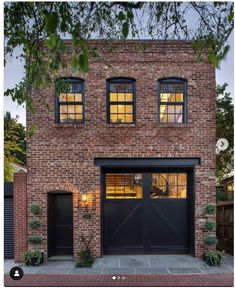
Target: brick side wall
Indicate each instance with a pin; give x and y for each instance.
(61, 157)
(20, 215)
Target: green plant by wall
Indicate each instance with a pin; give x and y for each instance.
(210, 209)
(34, 224)
(213, 258)
(35, 209)
(221, 195)
(210, 240)
(210, 225)
(85, 257)
(35, 239)
(35, 257)
(32, 258)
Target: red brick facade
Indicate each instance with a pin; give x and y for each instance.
(60, 157)
(20, 215)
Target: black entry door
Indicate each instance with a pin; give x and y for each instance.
(146, 213)
(60, 222)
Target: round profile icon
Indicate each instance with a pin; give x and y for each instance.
(222, 144)
(16, 273)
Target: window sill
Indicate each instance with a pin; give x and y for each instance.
(174, 125)
(120, 125)
(66, 125)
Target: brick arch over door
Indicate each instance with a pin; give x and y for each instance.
(61, 216)
(51, 189)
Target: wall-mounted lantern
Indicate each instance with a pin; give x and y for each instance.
(85, 201)
(137, 178)
(84, 198)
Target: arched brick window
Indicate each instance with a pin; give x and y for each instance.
(172, 100)
(121, 100)
(70, 100)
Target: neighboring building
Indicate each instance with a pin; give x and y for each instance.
(125, 156)
(16, 167)
(228, 185)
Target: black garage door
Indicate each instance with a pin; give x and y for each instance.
(8, 221)
(146, 212)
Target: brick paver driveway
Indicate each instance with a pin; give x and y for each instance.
(213, 280)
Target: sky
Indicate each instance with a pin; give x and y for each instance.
(14, 71)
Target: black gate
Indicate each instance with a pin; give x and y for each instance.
(147, 212)
(60, 224)
(8, 221)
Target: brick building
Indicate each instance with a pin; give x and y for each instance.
(126, 155)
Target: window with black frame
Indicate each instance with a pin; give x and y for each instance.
(70, 101)
(121, 100)
(172, 102)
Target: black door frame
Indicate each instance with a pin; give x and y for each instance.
(50, 220)
(190, 187)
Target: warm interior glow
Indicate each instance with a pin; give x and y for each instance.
(124, 186)
(71, 113)
(171, 97)
(70, 97)
(169, 185)
(230, 187)
(119, 111)
(171, 113)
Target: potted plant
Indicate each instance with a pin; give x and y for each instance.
(211, 257)
(210, 225)
(35, 257)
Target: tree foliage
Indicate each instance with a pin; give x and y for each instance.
(224, 129)
(30, 25)
(14, 144)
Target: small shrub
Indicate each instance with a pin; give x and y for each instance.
(32, 258)
(85, 259)
(213, 258)
(210, 209)
(210, 225)
(35, 209)
(35, 240)
(34, 224)
(221, 195)
(211, 240)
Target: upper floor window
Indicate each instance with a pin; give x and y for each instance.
(121, 100)
(70, 101)
(172, 102)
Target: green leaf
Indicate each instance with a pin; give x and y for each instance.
(52, 41)
(51, 22)
(225, 52)
(83, 42)
(75, 63)
(83, 61)
(125, 29)
(130, 14)
(121, 16)
(213, 59)
(31, 130)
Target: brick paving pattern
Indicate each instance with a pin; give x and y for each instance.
(216, 280)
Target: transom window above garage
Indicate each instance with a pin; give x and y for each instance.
(124, 186)
(172, 101)
(121, 100)
(169, 185)
(70, 100)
